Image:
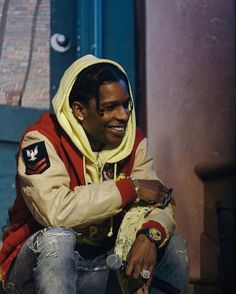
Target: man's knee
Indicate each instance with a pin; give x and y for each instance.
(55, 239)
(177, 252)
(172, 267)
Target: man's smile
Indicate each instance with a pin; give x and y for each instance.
(118, 129)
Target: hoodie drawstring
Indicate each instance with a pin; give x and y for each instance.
(110, 233)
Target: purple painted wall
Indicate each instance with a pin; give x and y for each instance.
(190, 100)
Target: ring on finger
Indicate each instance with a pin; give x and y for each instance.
(145, 274)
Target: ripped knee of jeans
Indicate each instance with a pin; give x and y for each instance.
(52, 240)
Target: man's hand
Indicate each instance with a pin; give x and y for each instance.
(152, 190)
(142, 256)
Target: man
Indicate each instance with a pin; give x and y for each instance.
(79, 171)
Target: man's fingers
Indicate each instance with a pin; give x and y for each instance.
(129, 269)
(149, 282)
(133, 270)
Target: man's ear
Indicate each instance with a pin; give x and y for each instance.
(78, 110)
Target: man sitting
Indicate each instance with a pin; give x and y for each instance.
(79, 171)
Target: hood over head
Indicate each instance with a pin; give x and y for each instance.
(73, 128)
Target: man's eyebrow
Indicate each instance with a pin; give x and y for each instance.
(114, 102)
(109, 103)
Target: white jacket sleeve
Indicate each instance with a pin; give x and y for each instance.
(53, 203)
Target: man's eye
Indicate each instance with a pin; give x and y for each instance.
(109, 108)
(128, 105)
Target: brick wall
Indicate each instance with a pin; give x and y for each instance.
(24, 59)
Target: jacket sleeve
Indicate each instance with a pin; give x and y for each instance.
(53, 203)
(162, 219)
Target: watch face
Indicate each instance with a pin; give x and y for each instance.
(155, 234)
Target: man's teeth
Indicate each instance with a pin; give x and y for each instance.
(118, 128)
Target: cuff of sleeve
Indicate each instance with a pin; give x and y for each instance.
(154, 224)
(127, 190)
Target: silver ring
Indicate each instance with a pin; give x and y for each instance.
(145, 274)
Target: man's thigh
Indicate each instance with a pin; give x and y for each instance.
(93, 274)
(20, 276)
(48, 241)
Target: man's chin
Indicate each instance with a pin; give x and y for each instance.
(113, 144)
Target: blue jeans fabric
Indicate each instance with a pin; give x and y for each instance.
(172, 267)
(50, 263)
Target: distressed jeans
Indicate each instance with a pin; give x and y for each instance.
(49, 264)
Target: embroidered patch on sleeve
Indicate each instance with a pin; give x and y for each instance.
(36, 158)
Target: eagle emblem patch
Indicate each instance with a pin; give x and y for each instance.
(36, 158)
